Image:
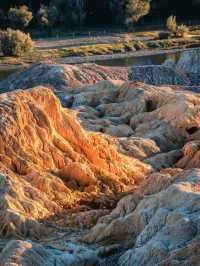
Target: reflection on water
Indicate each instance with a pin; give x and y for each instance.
(4, 73)
(140, 60)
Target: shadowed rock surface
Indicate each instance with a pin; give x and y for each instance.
(159, 75)
(61, 77)
(189, 61)
(185, 73)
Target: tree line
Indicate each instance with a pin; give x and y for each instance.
(68, 13)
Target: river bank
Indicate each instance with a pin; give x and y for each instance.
(82, 53)
(97, 58)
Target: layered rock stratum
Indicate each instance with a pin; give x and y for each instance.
(60, 77)
(186, 72)
(106, 175)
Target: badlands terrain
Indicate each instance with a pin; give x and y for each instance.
(101, 166)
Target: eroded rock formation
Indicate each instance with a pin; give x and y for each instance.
(186, 72)
(162, 228)
(159, 75)
(111, 177)
(56, 162)
(61, 77)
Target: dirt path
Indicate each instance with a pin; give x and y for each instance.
(79, 41)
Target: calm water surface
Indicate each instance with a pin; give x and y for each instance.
(156, 59)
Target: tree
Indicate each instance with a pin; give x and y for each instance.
(3, 18)
(71, 12)
(43, 16)
(16, 43)
(47, 17)
(135, 9)
(171, 24)
(20, 17)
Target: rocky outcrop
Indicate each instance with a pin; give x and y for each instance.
(150, 219)
(189, 61)
(159, 75)
(61, 77)
(149, 118)
(49, 163)
(184, 73)
(169, 226)
(27, 253)
(60, 166)
(162, 227)
(109, 178)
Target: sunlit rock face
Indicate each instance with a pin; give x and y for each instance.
(49, 163)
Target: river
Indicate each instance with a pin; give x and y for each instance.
(155, 59)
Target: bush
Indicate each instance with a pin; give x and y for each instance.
(135, 10)
(182, 30)
(16, 43)
(171, 24)
(178, 31)
(20, 17)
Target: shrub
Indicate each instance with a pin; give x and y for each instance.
(171, 24)
(178, 31)
(20, 17)
(182, 30)
(16, 43)
(135, 9)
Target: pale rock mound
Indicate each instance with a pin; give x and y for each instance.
(191, 155)
(151, 119)
(27, 253)
(162, 227)
(61, 76)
